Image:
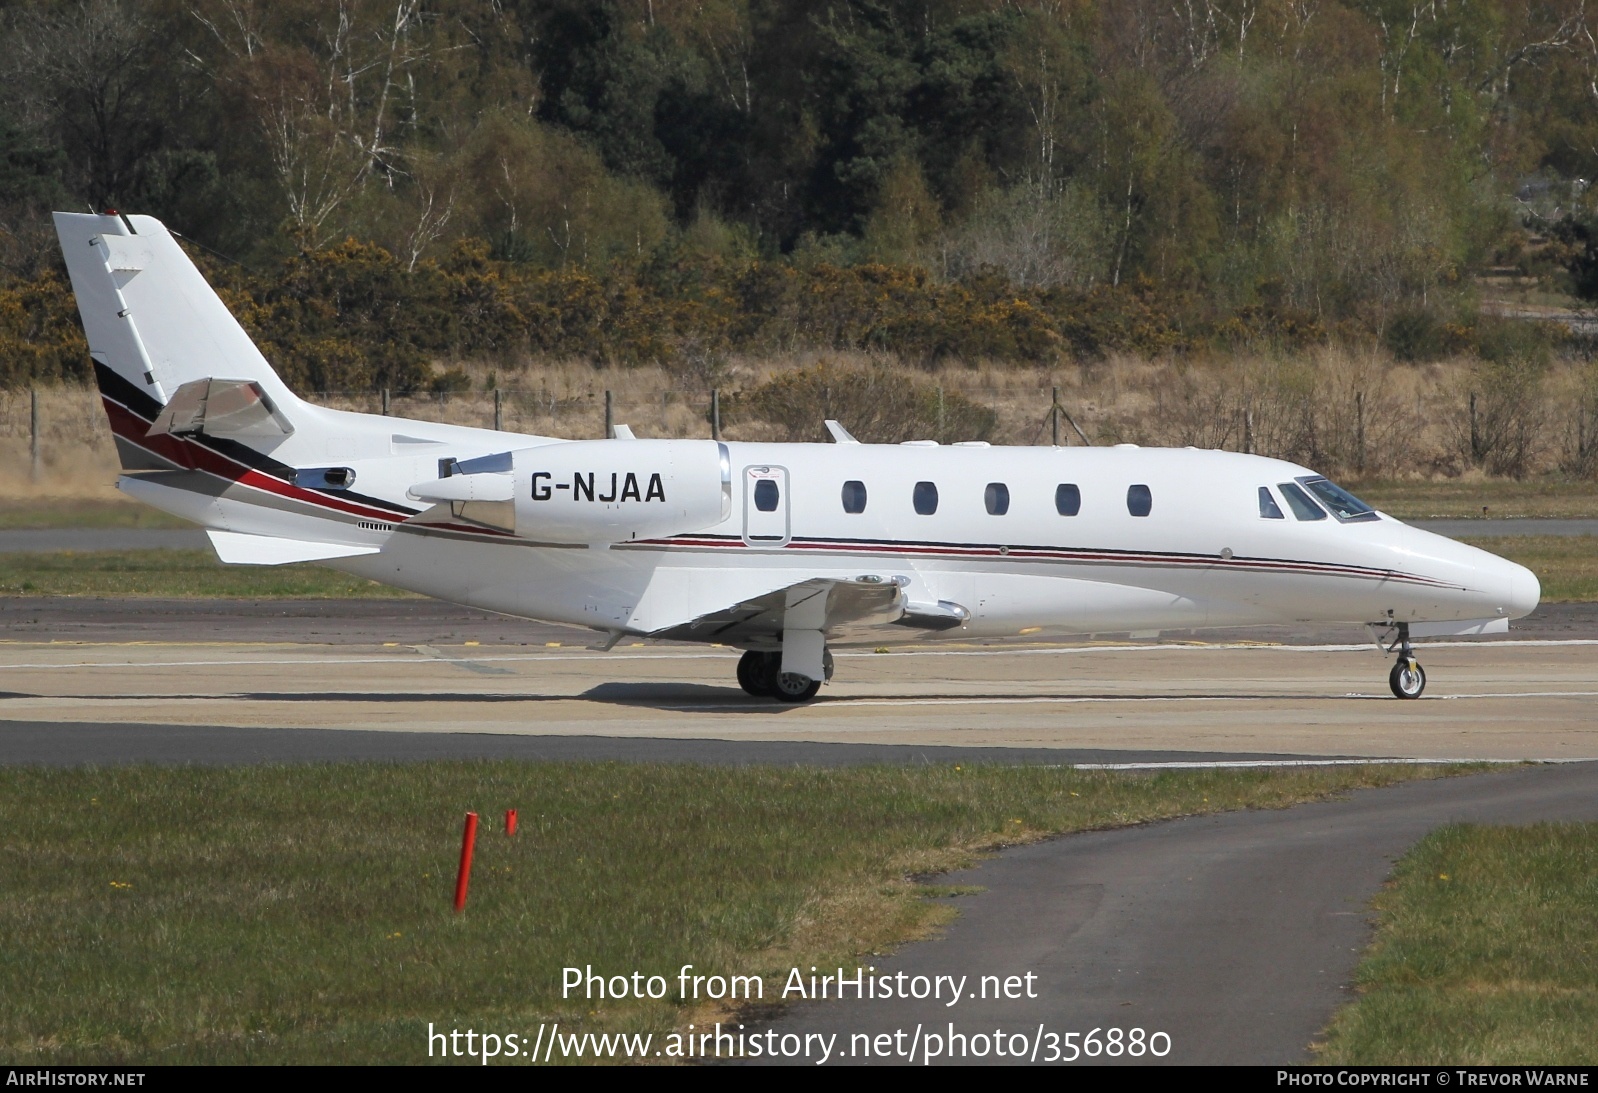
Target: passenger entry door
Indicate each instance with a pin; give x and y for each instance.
(766, 521)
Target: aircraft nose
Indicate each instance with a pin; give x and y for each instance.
(1525, 590)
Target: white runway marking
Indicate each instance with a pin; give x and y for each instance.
(1074, 650)
(1036, 700)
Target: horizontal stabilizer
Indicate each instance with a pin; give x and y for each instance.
(237, 549)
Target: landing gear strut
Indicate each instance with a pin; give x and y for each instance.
(1408, 678)
(760, 674)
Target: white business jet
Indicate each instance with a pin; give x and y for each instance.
(783, 550)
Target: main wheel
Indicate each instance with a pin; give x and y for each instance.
(792, 687)
(1407, 679)
(754, 674)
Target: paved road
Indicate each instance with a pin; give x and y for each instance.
(1509, 700)
(42, 540)
(1236, 935)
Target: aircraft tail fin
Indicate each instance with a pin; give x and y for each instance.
(154, 325)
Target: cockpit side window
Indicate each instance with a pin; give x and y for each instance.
(1344, 505)
(1299, 502)
(1269, 509)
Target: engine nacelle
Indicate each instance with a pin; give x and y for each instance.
(616, 491)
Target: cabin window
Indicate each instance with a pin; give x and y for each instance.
(997, 498)
(854, 496)
(1344, 505)
(1269, 509)
(1067, 499)
(1139, 501)
(1299, 502)
(767, 495)
(926, 498)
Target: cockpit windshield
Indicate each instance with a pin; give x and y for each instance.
(1343, 505)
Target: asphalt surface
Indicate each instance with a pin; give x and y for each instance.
(1236, 935)
(40, 540)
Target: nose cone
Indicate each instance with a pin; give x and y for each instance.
(1525, 590)
(1489, 586)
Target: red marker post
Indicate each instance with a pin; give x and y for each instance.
(510, 821)
(464, 877)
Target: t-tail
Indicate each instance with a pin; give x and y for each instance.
(207, 430)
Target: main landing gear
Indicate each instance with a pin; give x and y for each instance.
(1408, 678)
(760, 674)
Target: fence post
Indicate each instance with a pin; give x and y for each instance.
(35, 462)
(715, 413)
(385, 402)
(1248, 430)
(940, 411)
(1475, 435)
(498, 420)
(610, 417)
(1359, 432)
(1054, 415)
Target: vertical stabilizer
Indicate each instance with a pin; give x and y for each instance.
(151, 318)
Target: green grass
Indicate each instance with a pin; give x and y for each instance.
(1462, 498)
(16, 515)
(188, 573)
(1487, 952)
(1567, 565)
(302, 913)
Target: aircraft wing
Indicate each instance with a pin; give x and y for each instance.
(844, 609)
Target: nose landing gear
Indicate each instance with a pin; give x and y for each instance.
(1408, 678)
(760, 674)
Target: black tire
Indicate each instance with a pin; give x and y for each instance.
(1407, 679)
(754, 674)
(791, 687)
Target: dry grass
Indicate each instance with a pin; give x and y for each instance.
(1350, 413)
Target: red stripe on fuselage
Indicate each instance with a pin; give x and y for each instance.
(193, 456)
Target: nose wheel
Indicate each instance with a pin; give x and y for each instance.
(1408, 678)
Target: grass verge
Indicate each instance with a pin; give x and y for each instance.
(1567, 565)
(193, 573)
(18, 515)
(1485, 953)
(1549, 498)
(302, 913)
